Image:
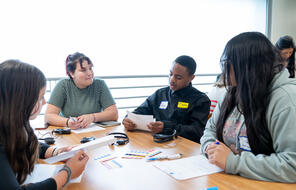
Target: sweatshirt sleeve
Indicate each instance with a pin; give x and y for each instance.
(42, 149)
(279, 166)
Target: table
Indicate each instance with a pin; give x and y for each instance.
(139, 174)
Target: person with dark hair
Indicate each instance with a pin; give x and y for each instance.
(81, 97)
(287, 48)
(252, 132)
(179, 106)
(22, 89)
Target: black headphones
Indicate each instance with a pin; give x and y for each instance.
(167, 135)
(122, 136)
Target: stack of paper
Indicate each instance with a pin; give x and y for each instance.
(141, 121)
(44, 171)
(91, 128)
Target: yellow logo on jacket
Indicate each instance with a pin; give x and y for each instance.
(183, 105)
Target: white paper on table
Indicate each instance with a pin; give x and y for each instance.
(44, 171)
(107, 140)
(141, 121)
(91, 128)
(186, 168)
(38, 122)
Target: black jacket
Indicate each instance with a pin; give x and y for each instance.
(185, 110)
(8, 179)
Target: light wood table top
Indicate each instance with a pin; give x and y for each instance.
(139, 174)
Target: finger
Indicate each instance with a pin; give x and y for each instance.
(74, 127)
(150, 126)
(83, 157)
(158, 123)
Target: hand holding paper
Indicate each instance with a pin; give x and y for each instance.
(141, 121)
(107, 140)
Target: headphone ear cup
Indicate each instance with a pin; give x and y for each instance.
(121, 142)
(168, 135)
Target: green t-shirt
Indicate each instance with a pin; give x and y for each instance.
(74, 101)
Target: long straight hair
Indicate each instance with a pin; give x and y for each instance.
(255, 61)
(20, 85)
(286, 42)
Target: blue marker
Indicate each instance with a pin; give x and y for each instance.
(211, 188)
(217, 142)
(72, 119)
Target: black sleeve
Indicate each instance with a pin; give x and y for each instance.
(146, 108)
(198, 120)
(8, 179)
(42, 149)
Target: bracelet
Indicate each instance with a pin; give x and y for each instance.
(55, 152)
(67, 122)
(52, 153)
(69, 172)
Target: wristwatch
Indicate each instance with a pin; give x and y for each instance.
(69, 172)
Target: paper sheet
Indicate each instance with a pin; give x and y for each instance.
(91, 128)
(43, 171)
(107, 140)
(38, 122)
(186, 168)
(141, 121)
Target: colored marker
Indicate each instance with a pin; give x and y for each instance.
(169, 157)
(119, 165)
(211, 188)
(217, 142)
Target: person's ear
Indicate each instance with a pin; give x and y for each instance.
(71, 74)
(192, 77)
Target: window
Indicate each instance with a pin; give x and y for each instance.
(124, 37)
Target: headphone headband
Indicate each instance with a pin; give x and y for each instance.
(120, 135)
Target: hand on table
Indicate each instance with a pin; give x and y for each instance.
(73, 123)
(85, 120)
(217, 154)
(155, 127)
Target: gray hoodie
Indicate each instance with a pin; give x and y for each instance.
(281, 121)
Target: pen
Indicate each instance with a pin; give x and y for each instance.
(72, 119)
(169, 157)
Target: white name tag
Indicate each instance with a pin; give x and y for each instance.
(163, 105)
(244, 143)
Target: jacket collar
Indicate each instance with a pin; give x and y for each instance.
(183, 91)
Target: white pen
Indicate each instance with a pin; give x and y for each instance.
(169, 157)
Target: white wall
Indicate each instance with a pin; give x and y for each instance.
(283, 19)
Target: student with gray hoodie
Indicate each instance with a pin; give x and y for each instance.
(252, 133)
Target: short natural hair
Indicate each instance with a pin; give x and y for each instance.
(187, 62)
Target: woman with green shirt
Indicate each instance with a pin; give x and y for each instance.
(80, 100)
